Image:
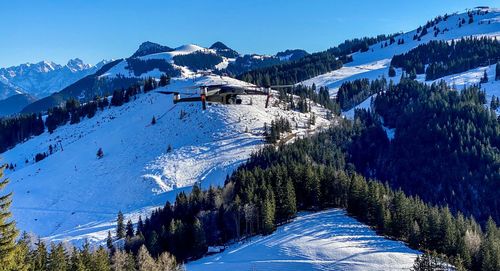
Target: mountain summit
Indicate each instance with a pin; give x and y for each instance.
(223, 50)
(147, 48)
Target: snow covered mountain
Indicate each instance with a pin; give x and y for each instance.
(153, 60)
(375, 62)
(191, 58)
(72, 195)
(44, 78)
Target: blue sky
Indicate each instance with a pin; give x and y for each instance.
(93, 30)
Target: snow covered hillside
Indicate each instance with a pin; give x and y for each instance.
(375, 62)
(327, 240)
(72, 195)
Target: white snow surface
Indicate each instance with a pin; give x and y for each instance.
(327, 240)
(375, 62)
(71, 195)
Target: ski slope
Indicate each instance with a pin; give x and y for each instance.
(375, 62)
(71, 195)
(327, 240)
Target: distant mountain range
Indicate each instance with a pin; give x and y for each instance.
(43, 78)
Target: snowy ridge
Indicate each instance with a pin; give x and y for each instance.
(327, 240)
(71, 195)
(375, 62)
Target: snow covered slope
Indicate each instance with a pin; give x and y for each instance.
(328, 240)
(375, 62)
(71, 195)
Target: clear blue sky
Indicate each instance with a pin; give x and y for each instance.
(93, 30)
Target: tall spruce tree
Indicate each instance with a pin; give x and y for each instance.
(200, 241)
(144, 260)
(100, 260)
(268, 211)
(120, 226)
(8, 231)
(497, 71)
(40, 256)
(77, 261)
(58, 259)
(130, 229)
(122, 261)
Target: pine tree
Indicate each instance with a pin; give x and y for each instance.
(490, 248)
(140, 226)
(144, 260)
(23, 255)
(109, 242)
(100, 260)
(495, 103)
(58, 259)
(392, 71)
(268, 211)
(40, 256)
(200, 242)
(100, 153)
(122, 261)
(86, 255)
(428, 262)
(497, 71)
(120, 226)
(77, 261)
(167, 262)
(130, 229)
(8, 232)
(164, 80)
(484, 79)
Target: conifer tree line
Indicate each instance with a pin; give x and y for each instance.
(445, 58)
(14, 130)
(354, 92)
(319, 95)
